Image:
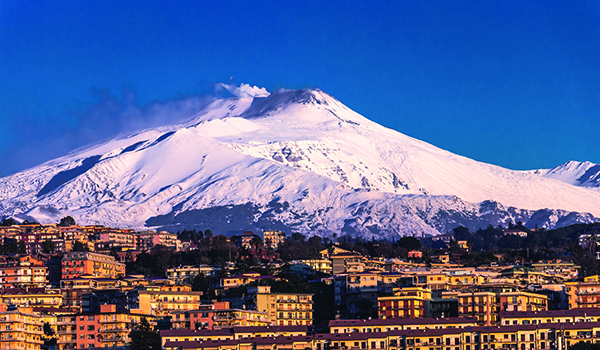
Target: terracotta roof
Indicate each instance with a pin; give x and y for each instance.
(552, 313)
(264, 329)
(400, 321)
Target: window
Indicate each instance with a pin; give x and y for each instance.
(91, 328)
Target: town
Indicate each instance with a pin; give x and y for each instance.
(68, 286)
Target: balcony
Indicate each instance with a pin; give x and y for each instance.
(228, 318)
(11, 338)
(114, 330)
(111, 339)
(281, 308)
(13, 347)
(112, 321)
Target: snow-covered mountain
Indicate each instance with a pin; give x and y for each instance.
(584, 174)
(296, 160)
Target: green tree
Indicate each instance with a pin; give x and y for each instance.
(22, 247)
(79, 247)
(67, 221)
(49, 337)
(201, 283)
(47, 246)
(143, 337)
(582, 345)
(8, 222)
(410, 243)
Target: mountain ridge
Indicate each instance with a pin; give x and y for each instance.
(336, 170)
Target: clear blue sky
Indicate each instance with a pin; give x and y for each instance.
(513, 83)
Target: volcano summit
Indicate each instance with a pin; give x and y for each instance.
(294, 160)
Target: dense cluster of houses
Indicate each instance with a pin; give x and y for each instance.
(524, 330)
(85, 299)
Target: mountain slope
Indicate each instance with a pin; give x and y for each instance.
(584, 174)
(296, 160)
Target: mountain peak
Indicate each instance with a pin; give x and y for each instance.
(295, 160)
(262, 106)
(585, 174)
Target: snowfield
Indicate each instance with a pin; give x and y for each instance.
(298, 161)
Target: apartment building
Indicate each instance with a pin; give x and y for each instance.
(409, 302)
(33, 297)
(394, 324)
(161, 300)
(122, 238)
(347, 263)
(77, 264)
(481, 305)
(522, 301)
(283, 309)
(538, 337)
(229, 318)
(148, 239)
(20, 329)
(320, 265)
(179, 335)
(351, 289)
(107, 328)
(273, 238)
(186, 274)
(550, 316)
(235, 281)
(583, 294)
(24, 271)
(563, 269)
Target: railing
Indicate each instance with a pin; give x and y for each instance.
(11, 337)
(228, 318)
(281, 308)
(111, 339)
(113, 330)
(294, 301)
(112, 321)
(13, 347)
